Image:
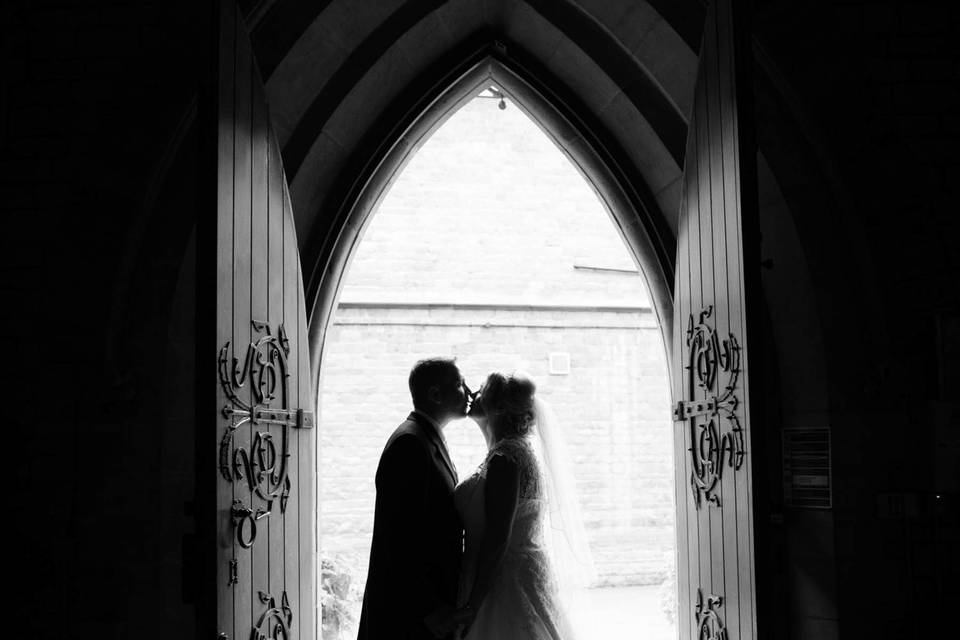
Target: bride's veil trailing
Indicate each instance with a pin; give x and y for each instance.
(563, 530)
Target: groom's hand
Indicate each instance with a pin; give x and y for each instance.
(465, 617)
(444, 620)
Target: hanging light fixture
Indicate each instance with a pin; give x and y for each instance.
(494, 92)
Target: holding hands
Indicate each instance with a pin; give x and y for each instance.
(446, 620)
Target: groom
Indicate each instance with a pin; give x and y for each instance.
(417, 536)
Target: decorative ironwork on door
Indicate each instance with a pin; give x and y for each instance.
(264, 465)
(709, 623)
(716, 437)
(275, 622)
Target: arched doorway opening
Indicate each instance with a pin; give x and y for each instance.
(628, 210)
(382, 324)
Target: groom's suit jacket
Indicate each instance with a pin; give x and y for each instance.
(417, 535)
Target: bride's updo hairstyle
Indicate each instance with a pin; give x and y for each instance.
(508, 402)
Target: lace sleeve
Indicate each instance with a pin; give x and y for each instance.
(518, 451)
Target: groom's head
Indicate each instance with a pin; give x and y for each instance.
(436, 388)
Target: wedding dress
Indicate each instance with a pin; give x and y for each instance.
(523, 600)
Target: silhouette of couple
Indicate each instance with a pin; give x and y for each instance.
(473, 560)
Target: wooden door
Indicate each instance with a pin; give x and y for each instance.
(715, 286)
(260, 430)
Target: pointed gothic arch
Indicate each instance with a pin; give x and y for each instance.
(631, 206)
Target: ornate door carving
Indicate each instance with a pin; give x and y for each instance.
(715, 287)
(259, 438)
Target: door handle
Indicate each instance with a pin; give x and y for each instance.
(245, 519)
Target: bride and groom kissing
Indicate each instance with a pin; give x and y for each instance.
(473, 560)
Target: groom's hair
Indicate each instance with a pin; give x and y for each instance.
(430, 372)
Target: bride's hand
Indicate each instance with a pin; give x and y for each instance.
(464, 616)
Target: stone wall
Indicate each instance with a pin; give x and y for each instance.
(490, 247)
(612, 407)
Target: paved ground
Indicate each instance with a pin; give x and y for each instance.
(613, 613)
(624, 613)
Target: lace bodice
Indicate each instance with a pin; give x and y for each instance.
(525, 535)
(518, 451)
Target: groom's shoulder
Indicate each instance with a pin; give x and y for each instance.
(408, 430)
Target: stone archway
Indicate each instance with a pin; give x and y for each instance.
(486, 197)
(618, 197)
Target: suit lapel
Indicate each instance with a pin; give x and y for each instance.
(439, 448)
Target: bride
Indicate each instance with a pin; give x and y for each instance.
(523, 535)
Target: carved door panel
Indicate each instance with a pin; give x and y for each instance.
(260, 431)
(714, 286)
